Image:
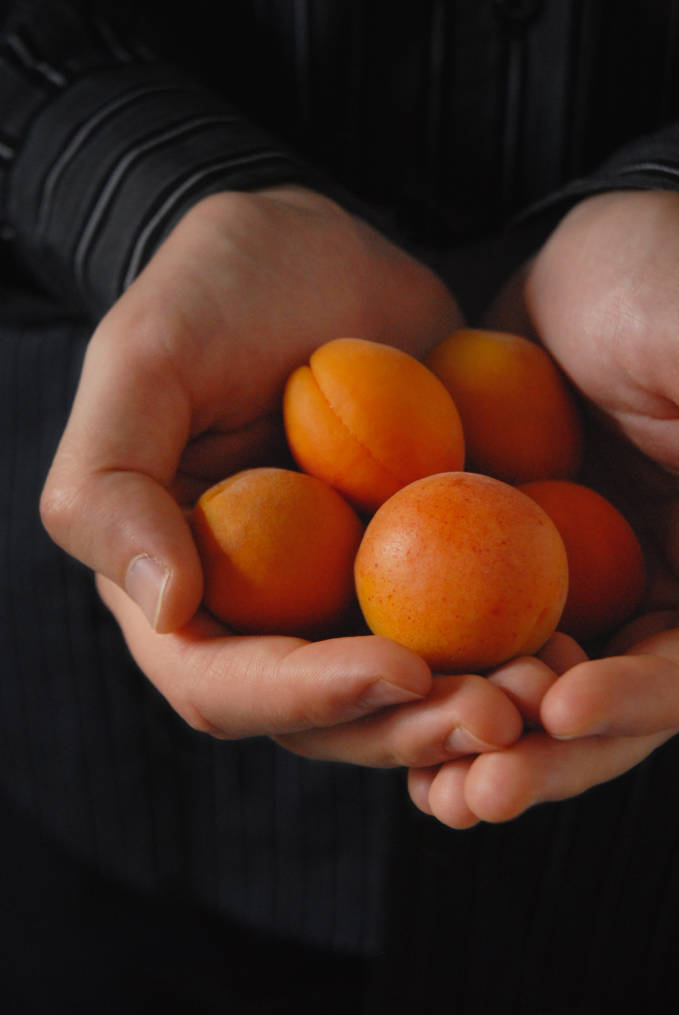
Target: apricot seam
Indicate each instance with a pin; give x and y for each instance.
(371, 455)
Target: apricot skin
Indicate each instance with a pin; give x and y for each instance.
(277, 549)
(605, 559)
(463, 569)
(368, 419)
(519, 417)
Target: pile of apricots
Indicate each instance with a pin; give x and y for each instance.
(436, 502)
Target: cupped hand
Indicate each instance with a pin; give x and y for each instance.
(587, 721)
(601, 296)
(182, 379)
(181, 386)
(359, 699)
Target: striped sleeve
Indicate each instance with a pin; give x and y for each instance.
(103, 147)
(650, 162)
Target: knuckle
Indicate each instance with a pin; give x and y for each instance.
(58, 508)
(193, 699)
(198, 721)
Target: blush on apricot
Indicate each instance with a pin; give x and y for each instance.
(368, 419)
(463, 569)
(519, 417)
(605, 559)
(277, 549)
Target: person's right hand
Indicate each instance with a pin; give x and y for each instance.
(181, 386)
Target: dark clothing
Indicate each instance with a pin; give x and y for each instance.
(447, 117)
(443, 121)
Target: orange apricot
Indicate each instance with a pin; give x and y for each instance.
(463, 569)
(605, 559)
(277, 549)
(368, 419)
(519, 417)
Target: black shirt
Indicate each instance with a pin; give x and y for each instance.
(445, 120)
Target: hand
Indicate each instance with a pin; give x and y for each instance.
(181, 386)
(182, 380)
(587, 721)
(601, 296)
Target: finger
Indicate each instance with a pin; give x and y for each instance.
(499, 787)
(419, 784)
(461, 715)
(561, 652)
(238, 686)
(106, 498)
(630, 695)
(525, 681)
(446, 797)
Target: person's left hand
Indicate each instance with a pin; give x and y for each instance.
(601, 296)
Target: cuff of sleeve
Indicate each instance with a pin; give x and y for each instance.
(114, 160)
(648, 163)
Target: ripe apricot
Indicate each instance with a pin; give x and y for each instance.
(605, 559)
(463, 569)
(519, 417)
(277, 548)
(368, 419)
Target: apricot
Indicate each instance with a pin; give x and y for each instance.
(463, 569)
(277, 549)
(519, 417)
(368, 419)
(605, 559)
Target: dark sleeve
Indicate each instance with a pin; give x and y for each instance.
(104, 145)
(650, 162)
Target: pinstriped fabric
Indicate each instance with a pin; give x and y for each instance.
(90, 749)
(192, 182)
(145, 242)
(81, 136)
(95, 163)
(447, 112)
(33, 64)
(156, 140)
(453, 114)
(90, 122)
(571, 909)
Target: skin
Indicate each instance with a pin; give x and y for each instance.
(601, 296)
(193, 358)
(181, 387)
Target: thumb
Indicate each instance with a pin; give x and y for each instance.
(106, 499)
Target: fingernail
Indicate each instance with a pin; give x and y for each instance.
(461, 741)
(596, 730)
(145, 582)
(381, 693)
